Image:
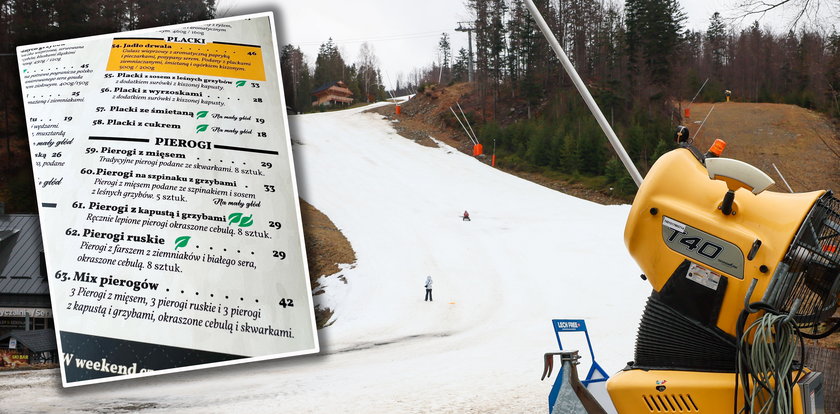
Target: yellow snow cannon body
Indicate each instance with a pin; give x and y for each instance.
(720, 252)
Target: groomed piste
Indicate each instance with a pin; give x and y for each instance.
(529, 254)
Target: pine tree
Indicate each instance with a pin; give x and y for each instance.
(445, 50)
(296, 79)
(329, 65)
(482, 47)
(460, 68)
(152, 13)
(716, 44)
(654, 31)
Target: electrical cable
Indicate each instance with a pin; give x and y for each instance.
(740, 374)
(767, 363)
(743, 372)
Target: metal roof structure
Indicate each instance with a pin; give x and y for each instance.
(339, 84)
(21, 260)
(39, 340)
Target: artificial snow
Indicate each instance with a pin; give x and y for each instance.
(529, 255)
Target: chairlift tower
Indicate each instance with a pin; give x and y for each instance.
(468, 27)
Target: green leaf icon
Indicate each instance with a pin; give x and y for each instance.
(240, 83)
(24, 71)
(201, 128)
(246, 221)
(234, 218)
(181, 241)
(201, 114)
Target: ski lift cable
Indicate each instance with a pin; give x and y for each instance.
(462, 125)
(584, 92)
(475, 137)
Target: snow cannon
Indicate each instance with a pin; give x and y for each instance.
(727, 260)
(739, 274)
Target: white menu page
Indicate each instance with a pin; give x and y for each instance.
(167, 199)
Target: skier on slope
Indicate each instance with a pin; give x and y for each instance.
(428, 289)
(466, 216)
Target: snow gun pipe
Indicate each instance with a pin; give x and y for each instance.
(462, 125)
(783, 177)
(393, 86)
(584, 92)
(698, 92)
(475, 137)
(697, 134)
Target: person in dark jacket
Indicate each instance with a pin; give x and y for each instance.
(428, 289)
(466, 216)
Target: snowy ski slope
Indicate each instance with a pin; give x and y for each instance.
(529, 254)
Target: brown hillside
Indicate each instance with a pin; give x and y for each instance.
(428, 114)
(801, 143)
(326, 248)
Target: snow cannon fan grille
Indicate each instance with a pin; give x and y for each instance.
(810, 270)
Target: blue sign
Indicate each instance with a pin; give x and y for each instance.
(595, 374)
(569, 325)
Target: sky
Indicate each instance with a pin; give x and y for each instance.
(404, 34)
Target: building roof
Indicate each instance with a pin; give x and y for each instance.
(38, 340)
(20, 255)
(328, 85)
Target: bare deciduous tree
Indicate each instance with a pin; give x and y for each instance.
(368, 67)
(812, 10)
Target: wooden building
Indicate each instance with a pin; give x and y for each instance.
(334, 93)
(22, 348)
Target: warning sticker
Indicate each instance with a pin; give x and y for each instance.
(703, 276)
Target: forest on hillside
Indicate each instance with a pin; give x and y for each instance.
(639, 61)
(636, 56)
(363, 77)
(25, 22)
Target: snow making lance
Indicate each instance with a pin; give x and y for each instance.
(393, 86)
(782, 176)
(697, 133)
(688, 108)
(478, 149)
(475, 137)
(698, 92)
(473, 140)
(584, 92)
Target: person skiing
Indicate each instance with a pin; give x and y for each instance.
(428, 289)
(466, 216)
